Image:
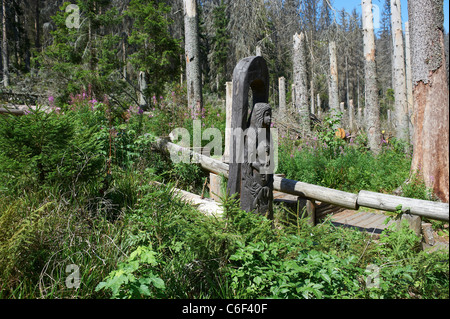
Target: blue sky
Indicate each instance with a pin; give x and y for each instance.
(349, 5)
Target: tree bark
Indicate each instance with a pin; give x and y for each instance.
(430, 92)
(301, 89)
(228, 112)
(401, 122)
(333, 85)
(409, 92)
(192, 52)
(319, 106)
(37, 25)
(351, 116)
(372, 109)
(142, 98)
(4, 47)
(282, 95)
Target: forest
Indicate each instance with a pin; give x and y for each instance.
(88, 207)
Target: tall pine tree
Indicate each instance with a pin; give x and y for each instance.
(156, 51)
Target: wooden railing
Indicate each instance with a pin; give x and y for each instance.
(385, 202)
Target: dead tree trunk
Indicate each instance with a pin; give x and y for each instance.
(401, 121)
(282, 95)
(372, 109)
(319, 106)
(351, 116)
(409, 92)
(4, 47)
(142, 91)
(301, 89)
(430, 92)
(193, 71)
(333, 85)
(37, 26)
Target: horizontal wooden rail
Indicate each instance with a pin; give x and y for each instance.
(12, 111)
(390, 203)
(206, 162)
(320, 193)
(385, 202)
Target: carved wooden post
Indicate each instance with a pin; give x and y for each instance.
(251, 140)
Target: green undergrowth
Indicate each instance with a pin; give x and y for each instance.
(163, 248)
(81, 217)
(348, 164)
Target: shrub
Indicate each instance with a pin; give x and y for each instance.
(265, 270)
(135, 277)
(32, 148)
(344, 166)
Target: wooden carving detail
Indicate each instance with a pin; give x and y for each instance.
(251, 175)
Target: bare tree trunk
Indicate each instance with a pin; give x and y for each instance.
(301, 89)
(359, 118)
(142, 90)
(351, 115)
(312, 98)
(333, 83)
(258, 51)
(193, 71)
(282, 95)
(319, 106)
(409, 91)
(401, 121)
(293, 96)
(430, 91)
(37, 11)
(228, 112)
(5, 47)
(124, 55)
(372, 109)
(347, 100)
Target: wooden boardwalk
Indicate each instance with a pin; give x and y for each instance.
(372, 222)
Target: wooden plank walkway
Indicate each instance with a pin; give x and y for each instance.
(372, 222)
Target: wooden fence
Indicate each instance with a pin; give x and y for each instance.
(385, 202)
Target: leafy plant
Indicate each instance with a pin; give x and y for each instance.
(134, 278)
(265, 271)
